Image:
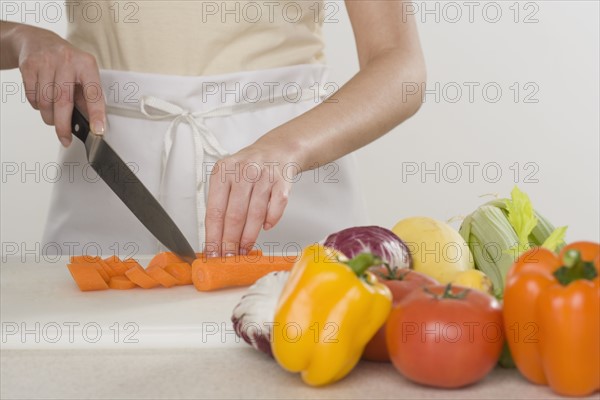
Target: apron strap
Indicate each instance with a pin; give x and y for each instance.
(205, 142)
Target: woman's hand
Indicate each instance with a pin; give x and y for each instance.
(387, 90)
(248, 191)
(56, 75)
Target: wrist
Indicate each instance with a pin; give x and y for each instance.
(15, 35)
(287, 144)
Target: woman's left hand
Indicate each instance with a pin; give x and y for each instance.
(387, 90)
(248, 191)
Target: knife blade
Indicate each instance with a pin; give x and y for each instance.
(126, 185)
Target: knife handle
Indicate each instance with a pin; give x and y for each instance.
(80, 126)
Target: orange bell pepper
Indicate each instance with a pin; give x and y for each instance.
(552, 317)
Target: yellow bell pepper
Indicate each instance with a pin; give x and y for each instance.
(328, 311)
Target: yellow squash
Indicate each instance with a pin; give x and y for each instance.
(474, 279)
(436, 248)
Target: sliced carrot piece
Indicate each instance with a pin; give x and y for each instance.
(87, 277)
(101, 271)
(138, 275)
(107, 268)
(131, 262)
(161, 276)
(181, 271)
(97, 267)
(121, 283)
(255, 252)
(117, 265)
(84, 259)
(163, 259)
(219, 272)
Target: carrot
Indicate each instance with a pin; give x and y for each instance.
(120, 282)
(131, 262)
(101, 271)
(168, 270)
(180, 271)
(161, 276)
(166, 258)
(87, 277)
(118, 266)
(107, 268)
(84, 259)
(218, 273)
(163, 259)
(138, 275)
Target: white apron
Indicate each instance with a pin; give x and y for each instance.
(171, 130)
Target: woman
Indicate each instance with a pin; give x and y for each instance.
(217, 108)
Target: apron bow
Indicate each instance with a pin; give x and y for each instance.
(205, 141)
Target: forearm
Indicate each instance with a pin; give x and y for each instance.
(366, 107)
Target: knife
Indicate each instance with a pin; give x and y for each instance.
(117, 175)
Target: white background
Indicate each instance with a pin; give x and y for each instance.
(555, 141)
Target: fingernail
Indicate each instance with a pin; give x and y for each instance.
(98, 128)
(229, 254)
(65, 141)
(267, 226)
(212, 254)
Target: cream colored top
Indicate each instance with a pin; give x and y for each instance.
(197, 37)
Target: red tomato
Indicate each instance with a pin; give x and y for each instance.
(445, 336)
(404, 282)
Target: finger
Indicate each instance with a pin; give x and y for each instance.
(277, 204)
(257, 212)
(235, 217)
(30, 79)
(80, 101)
(63, 106)
(45, 94)
(89, 78)
(216, 206)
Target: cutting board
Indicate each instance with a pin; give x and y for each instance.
(41, 307)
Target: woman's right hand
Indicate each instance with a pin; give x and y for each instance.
(56, 76)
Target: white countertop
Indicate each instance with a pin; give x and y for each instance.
(38, 299)
(58, 342)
